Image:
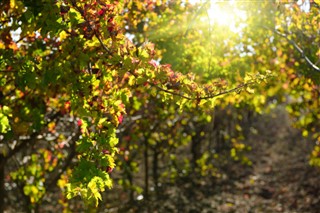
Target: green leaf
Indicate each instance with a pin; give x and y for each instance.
(4, 123)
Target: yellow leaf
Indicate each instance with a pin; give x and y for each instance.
(62, 183)
(2, 46)
(238, 127)
(250, 90)
(63, 35)
(12, 4)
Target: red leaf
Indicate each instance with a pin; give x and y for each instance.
(121, 106)
(109, 169)
(101, 12)
(79, 122)
(106, 152)
(153, 63)
(120, 119)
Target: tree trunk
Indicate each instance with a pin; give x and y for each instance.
(2, 189)
(146, 167)
(131, 192)
(155, 170)
(196, 149)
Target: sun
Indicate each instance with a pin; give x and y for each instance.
(219, 15)
(225, 14)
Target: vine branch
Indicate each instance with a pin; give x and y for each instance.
(102, 44)
(299, 49)
(235, 89)
(170, 92)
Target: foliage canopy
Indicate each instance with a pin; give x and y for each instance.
(87, 85)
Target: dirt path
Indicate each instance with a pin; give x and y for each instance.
(279, 179)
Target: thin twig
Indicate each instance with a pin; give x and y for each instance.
(296, 46)
(95, 32)
(170, 92)
(239, 87)
(31, 138)
(102, 44)
(67, 162)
